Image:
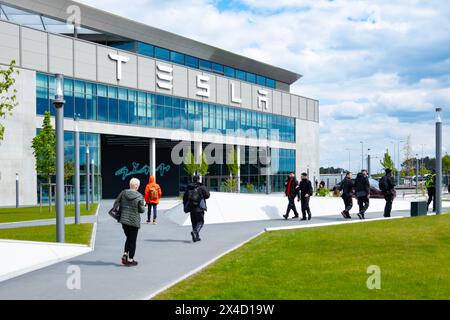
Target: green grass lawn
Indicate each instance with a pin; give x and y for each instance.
(331, 263)
(35, 213)
(75, 233)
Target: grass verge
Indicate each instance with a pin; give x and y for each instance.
(35, 213)
(413, 255)
(75, 233)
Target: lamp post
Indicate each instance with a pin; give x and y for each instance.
(417, 173)
(438, 197)
(17, 190)
(87, 165)
(59, 121)
(93, 180)
(77, 171)
(362, 155)
(368, 162)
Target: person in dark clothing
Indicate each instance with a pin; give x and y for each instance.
(346, 187)
(194, 201)
(387, 186)
(291, 192)
(362, 190)
(131, 207)
(305, 190)
(430, 184)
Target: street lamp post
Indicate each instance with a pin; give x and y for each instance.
(417, 174)
(368, 162)
(17, 190)
(93, 180)
(59, 121)
(77, 171)
(362, 155)
(438, 197)
(87, 166)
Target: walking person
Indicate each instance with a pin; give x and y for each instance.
(152, 195)
(291, 192)
(305, 190)
(362, 190)
(430, 184)
(387, 186)
(194, 202)
(131, 207)
(346, 187)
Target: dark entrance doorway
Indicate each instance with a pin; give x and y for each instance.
(126, 157)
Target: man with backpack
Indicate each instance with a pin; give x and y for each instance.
(362, 190)
(387, 186)
(305, 190)
(430, 184)
(152, 195)
(346, 186)
(194, 202)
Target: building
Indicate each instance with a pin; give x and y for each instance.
(139, 91)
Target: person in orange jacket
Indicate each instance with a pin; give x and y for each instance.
(152, 195)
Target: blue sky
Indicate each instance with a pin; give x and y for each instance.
(379, 68)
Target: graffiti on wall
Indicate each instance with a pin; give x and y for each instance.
(136, 169)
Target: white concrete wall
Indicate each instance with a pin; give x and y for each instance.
(308, 151)
(15, 150)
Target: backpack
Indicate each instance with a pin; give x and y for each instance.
(382, 184)
(194, 198)
(153, 193)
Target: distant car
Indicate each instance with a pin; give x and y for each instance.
(375, 191)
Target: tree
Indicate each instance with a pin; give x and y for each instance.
(44, 150)
(8, 97)
(233, 167)
(446, 163)
(69, 171)
(387, 162)
(409, 163)
(192, 167)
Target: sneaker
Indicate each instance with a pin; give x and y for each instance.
(344, 214)
(148, 221)
(125, 260)
(285, 217)
(303, 219)
(154, 222)
(132, 263)
(361, 216)
(309, 216)
(294, 217)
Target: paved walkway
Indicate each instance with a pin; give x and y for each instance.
(165, 253)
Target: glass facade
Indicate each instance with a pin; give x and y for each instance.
(91, 139)
(118, 105)
(193, 62)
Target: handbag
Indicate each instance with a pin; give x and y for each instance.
(115, 210)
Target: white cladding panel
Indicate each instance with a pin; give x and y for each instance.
(180, 81)
(85, 60)
(34, 49)
(277, 102)
(60, 55)
(106, 68)
(303, 108)
(146, 74)
(286, 104)
(223, 90)
(9, 43)
(295, 106)
(129, 72)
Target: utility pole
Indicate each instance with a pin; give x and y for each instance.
(76, 180)
(417, 174)
(87, 166)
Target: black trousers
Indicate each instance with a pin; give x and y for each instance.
(348, 202)
(291, 206)
(388, 208)
(130, 244)
(197, 220)
(363, 203)
(432, 197)
(305, 206)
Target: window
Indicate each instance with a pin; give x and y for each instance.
(251, 77)
(217, 68)
(132, 107)
(229, 72)
(113, 106)
(270, 83)
(261, 80)
(128, 45)
(240, 75)
(191, 62)
(205, 65)
(162, 54)
(102, 102)
(123, 106)
(177, 57)
(146, 49)
(69, 110)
